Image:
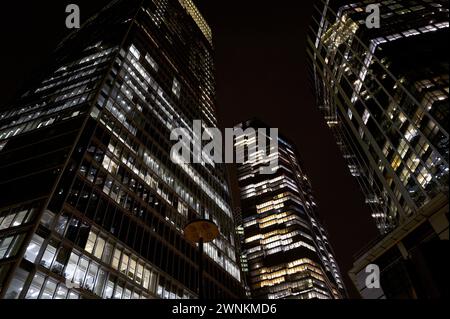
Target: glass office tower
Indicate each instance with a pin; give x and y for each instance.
(91, 206)
(384, 94)
(286, 251)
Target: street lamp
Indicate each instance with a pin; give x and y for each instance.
(201, 231)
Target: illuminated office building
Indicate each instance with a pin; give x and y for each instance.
(384, 94)
(91, 206)
(285, 247)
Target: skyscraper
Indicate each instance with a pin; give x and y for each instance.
(91, 205)
(285, 248)
(384, 94)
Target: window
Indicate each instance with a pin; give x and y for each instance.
(20, 217)
(61, 292)
(150, 61)
(61, 260)
(118, 292)
(135, 295)
(6, 222)
(116, 259)
(91, 276)
(35, 287)
(366, 116)
(135, 52)
(71, 266)
(49, 255)
(152, 284)
(127, 294)
(100, 283)
(33, 248)
(124, 263)
(49, 289)
(9, 246)
(83, 234)
(132, 268)
(16, 286)
(90, 242)
(73, 295)
(109, 290)
(4, 245)
(72, 229)
(15, 218)
(61, 224)
(47, 219)
(176, 88)
(81, 271)
(139, 273)
(107, 252)
(146, 278)
(99, 247)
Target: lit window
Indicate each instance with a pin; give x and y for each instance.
(17, 283)
(35, 287)
(108, 290)
(118, 292)
(5, 221)
(366, 116)
(139, 273)
(49, 289)
(90, 242)
(90, 277)
(73, 295)
(176, 88)
(61, 292)
(396, 162)
(124, 263)
(116, 258)
(81, 271)
(100, 283)
(71, 266)
(132, 268)
(48, 256)
(4, 245)
(152, 62)
(99, 247)
(146, 278)
(33, 248)
(135, 52)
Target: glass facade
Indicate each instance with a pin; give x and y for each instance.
(92, 206)
(384, 94)
(285, 250)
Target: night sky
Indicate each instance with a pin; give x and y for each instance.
(261, 71)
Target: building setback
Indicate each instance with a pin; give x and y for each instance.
(91, 206)
(384, 94)
(285, 250)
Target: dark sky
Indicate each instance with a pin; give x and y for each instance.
(261, 71)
